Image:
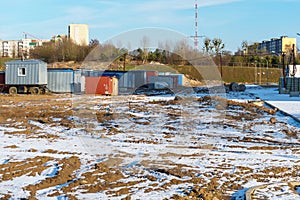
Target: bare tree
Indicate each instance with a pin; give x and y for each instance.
(145, 43)
(245, 46)
(218, 45)
(207, 45)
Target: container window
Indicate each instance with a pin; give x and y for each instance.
(22, 71)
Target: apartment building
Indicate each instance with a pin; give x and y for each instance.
(79, 33)
(18, 48)
(275, 45)
(280, 45)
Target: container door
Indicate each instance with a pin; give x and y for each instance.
(115, 86)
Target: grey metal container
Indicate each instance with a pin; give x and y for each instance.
(127, 80)
(26, 72)
(162, 81)
(64, 80)
(131, 80)
(78, 81)
(140, 78)
(292, 84)
(82, 83)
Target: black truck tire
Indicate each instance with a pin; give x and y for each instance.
(13, 90)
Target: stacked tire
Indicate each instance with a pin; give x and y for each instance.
(234, 87)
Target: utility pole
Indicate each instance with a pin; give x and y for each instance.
(293, 61)
(221, 64)
(283, 70)
(295, 89)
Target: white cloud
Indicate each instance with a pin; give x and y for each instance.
(205, 3)
(102, 25)
(289, 0)
(163, 5)
(156, 5)
(108, 3)
(79, 12)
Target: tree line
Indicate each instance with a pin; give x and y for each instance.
(65, 50)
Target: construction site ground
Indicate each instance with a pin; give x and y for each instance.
(201, 146)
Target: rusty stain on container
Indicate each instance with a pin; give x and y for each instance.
(150, 73)
(175, 80)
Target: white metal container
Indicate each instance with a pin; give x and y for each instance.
(290, 71)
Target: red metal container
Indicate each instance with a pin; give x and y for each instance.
(2, 78)
(102, 85)
(3, 88)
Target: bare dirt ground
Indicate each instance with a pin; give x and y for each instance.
(136, 147)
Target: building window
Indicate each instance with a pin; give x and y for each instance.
(22, 71)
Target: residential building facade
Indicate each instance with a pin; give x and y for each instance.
(79, 34)
(18, 48)
(280, 45)
(59, 38)
(283, 44)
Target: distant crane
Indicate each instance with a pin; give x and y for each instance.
(32, 43)
(28, 34)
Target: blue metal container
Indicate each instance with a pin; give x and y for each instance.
(64, 80)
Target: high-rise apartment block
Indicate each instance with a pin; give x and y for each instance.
(79, 33)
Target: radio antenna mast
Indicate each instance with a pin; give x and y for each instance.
(196, 26)
(196, 36)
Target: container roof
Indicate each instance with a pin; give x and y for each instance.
(24, 61)
(60, 69)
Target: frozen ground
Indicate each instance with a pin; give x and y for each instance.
(285, 103)
(138, 147)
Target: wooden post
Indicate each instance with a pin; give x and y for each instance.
(221, 65)
(124, 62)
(283, 70)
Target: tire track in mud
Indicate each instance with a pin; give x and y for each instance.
(30, 167)
(104, 176)
(65, 175)
(253, 193)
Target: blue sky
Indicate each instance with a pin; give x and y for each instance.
(231, 20)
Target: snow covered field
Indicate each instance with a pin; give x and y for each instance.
(139, 147)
